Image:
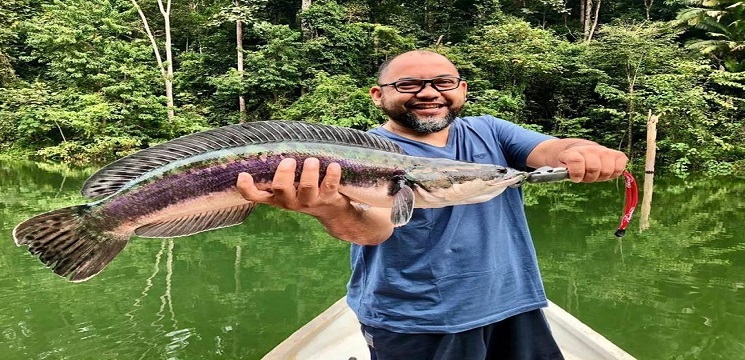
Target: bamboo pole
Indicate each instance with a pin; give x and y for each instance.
(649, 170)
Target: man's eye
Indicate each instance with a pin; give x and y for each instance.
(409, 84)
(444, 82)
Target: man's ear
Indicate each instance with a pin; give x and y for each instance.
(376, 94)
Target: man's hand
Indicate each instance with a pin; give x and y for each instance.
(592, 162)
(586, 161)
(308, 197)
(334, 210)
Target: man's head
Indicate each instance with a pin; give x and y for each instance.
(421, 107)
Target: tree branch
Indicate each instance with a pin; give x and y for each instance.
(151, 37)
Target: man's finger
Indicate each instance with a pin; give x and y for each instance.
(246, 187)
(307, 190)
(283, 184)
(608, 167)
(593, 167)
(330, 183)
(620, 166)
(575, 164)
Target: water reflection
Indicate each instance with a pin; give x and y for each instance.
(233, 293)
(673, 291)
(676, 283)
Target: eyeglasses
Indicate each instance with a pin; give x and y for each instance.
(413, 86)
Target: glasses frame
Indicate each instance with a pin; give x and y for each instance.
(431, 81)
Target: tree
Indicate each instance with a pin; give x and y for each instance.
(304, 6)
(167, 72)
(589, 16)
(724, 27)
(239, 50)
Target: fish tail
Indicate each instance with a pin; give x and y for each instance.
(65, 242)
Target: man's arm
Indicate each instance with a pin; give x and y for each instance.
(585, 160)
(333, 210)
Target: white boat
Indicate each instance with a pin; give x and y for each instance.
(335, 335)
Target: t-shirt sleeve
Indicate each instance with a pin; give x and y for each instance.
(517, 142)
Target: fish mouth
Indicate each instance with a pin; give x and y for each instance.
(449, 191)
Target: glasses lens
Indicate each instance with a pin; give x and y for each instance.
(445, 83)
(413, 85)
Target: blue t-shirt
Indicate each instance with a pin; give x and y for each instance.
(460, 267)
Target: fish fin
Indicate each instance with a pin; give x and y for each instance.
(194, 223)
(115, 175)
(64, 243)
(403, 205)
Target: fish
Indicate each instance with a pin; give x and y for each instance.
(188, 185)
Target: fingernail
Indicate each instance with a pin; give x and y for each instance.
(288, 162)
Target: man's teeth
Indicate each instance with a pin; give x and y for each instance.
(428, 106)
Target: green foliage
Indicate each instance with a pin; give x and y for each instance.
(274, 70)
(340, 45)
(502, 104)
(335, 100)
(97, 98)
(723, 27)
(78, 80)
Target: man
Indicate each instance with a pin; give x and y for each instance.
(460, 282)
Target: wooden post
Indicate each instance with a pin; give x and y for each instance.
(649, 170)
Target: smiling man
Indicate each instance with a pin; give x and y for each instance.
(460, 282)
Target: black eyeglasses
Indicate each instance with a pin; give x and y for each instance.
(413, 86)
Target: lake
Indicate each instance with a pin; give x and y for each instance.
(674, 291)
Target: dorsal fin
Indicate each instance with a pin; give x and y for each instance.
(113, 176)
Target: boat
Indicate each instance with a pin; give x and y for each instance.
(335, 335)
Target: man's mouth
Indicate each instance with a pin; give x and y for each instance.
(427, 106)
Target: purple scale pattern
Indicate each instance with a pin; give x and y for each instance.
(207, 178)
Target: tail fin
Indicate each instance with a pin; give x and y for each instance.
(63, 241)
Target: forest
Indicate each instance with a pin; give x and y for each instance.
(84, 82)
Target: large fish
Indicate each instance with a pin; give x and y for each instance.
(187, 185)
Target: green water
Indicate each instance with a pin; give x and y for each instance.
(675, 291)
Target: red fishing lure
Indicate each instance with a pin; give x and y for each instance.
(632, 198)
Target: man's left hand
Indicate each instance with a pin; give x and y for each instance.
(592, 162)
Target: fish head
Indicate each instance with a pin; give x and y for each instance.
(461, 184)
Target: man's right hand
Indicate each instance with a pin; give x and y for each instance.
(307, 197)
(334, 210)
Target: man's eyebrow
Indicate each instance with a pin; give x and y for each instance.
(434, 77)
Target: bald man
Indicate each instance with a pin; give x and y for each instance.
(460, 282)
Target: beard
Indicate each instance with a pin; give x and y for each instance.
(424, 126)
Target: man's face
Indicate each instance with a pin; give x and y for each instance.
(429, 110)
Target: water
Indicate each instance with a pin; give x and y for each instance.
(675, 291)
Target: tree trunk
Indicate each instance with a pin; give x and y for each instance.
(582, 14)
(594, 18)
(632, 73)
(239, 49)
(648, 7)
(165, 72)
(169, 56)
(587, 18)
(304, 26)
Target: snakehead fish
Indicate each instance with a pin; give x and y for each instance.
(187, 185)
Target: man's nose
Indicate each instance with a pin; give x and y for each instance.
(428, 91)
